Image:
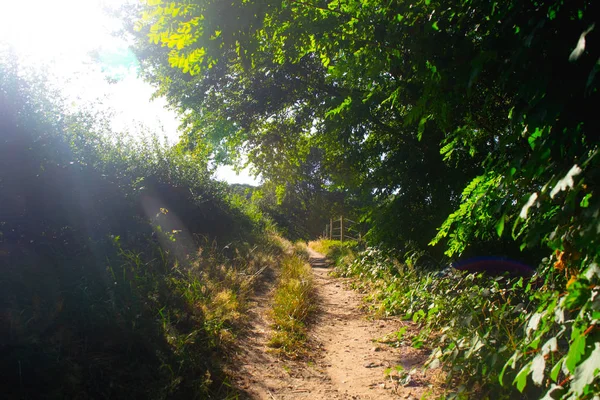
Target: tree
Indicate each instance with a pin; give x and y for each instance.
(248, 79)
(483, 108)
(381, 88)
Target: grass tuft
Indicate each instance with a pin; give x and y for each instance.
(292, 306)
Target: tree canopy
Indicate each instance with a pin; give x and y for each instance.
(411, 102)
(469, 125)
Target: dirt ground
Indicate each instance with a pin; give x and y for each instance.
(347, 361)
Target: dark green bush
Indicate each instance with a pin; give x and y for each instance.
(103, 292)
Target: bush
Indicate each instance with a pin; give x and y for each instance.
(124, 267)
(478, 326)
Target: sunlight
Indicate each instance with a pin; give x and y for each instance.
(64, 29)
(73, 41)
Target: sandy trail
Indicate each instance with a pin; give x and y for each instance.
(348, 362)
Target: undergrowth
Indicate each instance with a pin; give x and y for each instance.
(479, 327)
(125, 268)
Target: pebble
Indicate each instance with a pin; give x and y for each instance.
(372, 365)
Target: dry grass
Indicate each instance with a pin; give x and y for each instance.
(292, 306)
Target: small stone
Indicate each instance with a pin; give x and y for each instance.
(376, 348)
(372, 365)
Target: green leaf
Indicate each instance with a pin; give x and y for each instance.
(510, 363)
(576, 350)
(521, 378)
(500, 226)
(345, 104)
(534, 137)
(556, 369)
(421, 128)
(435, 26)
(586, 372)
(418, 315)
(585, 202)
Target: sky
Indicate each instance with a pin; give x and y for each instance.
(73, 40)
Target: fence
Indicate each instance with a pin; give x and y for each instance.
(341, 229)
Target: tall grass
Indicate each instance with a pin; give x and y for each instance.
(292, 304)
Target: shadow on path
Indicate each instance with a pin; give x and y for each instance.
(317, 260)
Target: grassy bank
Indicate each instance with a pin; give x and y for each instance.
(125, 267)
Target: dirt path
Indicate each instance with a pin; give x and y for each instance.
(348, 361)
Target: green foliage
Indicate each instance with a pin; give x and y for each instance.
(114, 283)
(412, 104)
(339, 253)
(351, 103)
(491, 332)
(300, 208)
(385, 86)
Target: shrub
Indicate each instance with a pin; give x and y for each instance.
(104, 290)
(472, 323)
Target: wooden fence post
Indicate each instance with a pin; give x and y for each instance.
(342, 229)
(330, 228)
